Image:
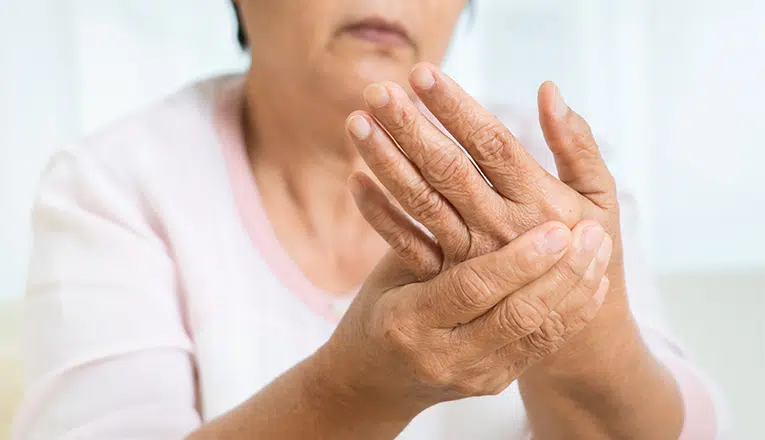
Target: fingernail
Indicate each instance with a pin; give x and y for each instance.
(593, 238)
(600, 294)
(376, 96)
(601, 259)
(604, 254)
(422, 78)
(554, 241)
(359, 127)
(561, 108)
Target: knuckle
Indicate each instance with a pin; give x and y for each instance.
(584, 139)
(490, 141)
(521, 317)
(446, 164)
(404, 244)
(425, 203)
(553, 328)
(574, 322)
(404, 119)
(471, 289)
(550, 335)
(525, 266)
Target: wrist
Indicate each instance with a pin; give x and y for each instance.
(601, 371)
(351, 392)
(628, 396)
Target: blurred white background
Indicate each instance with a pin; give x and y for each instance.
(678, 85)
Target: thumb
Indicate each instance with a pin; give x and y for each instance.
(577, 156)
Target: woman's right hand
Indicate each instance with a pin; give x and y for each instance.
(471, 330)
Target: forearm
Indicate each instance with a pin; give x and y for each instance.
(625, 394)
(306, 402)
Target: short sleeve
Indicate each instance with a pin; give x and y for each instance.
(108, 354)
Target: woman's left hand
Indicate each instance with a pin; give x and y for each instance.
(441, 188)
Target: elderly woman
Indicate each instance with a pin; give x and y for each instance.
(193, 263)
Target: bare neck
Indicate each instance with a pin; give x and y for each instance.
(301, 159)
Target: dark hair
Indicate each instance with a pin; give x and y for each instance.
(241, 35)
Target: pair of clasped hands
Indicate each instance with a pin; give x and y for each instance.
(510, 276)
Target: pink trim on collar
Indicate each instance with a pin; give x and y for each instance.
(228, 125)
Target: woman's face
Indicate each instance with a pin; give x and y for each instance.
(337, 47)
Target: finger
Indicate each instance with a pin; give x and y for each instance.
(572, 314)
(563, 324)
(470, 289)
(501, 157)
(412, 244)
(407, 185)
(440, 161)
(525, 311)
(577, 156)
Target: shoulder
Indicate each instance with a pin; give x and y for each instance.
(176, 127)
(152, 158)
(150, 146)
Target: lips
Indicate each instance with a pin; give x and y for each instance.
(380, 31)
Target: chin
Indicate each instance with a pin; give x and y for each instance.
(378, 70)
(353, 84)
(346, 81)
